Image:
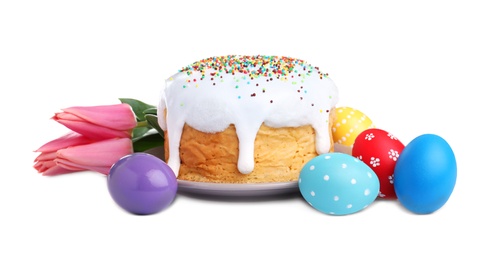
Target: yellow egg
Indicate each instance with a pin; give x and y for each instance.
(348, 124)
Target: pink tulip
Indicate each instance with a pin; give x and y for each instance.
(70, 139)
(74, 152)
(99, 122)
(44, 163)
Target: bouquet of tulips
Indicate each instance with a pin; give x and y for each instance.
(99, 136)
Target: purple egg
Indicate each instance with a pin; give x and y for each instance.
(142, 184)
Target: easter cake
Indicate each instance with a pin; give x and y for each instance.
(246, 119)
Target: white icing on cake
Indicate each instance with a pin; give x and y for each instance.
(246, 91)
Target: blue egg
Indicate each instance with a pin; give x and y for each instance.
(425, 174)
(338, 184)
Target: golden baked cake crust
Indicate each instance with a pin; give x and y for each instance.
(280, 154)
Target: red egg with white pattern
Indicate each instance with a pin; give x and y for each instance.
(380, 150)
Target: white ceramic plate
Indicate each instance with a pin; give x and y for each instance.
(241, 190)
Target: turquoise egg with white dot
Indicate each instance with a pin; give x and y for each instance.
(338, 184)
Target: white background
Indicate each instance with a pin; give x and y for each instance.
(413, 68)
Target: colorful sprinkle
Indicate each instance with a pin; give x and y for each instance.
(254, 66)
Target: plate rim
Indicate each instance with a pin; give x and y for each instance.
(237, 189)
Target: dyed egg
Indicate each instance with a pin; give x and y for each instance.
(338, 184)
(347, 125)
(425, 174)
(380, 151)
(142, 184)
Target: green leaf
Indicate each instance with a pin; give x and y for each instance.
(140, 131)
(153, 122)
(147, 142)
(150, 111)
(138, 107)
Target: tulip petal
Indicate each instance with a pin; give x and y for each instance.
(51, 168)
(57, 170)
(92, 131)
(103, 153)
(118, 117)
(48, 156)
(67, 116)
(70, 165)
(103, 170)
(70, 139)
(44, 165)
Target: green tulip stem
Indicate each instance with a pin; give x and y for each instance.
(142, 124)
